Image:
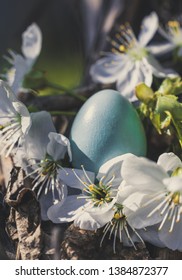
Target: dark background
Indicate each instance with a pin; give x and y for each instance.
(74, 31)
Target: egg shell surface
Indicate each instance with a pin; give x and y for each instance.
(106, 126)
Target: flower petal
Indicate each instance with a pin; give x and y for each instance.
(174, 184)
(112, 169)
(12, 107)
(106, 70)
(159, 71)
(151, 235)
(86, 222)
(21, 68)
(109, 164)
(160, 49)
(58, 146)
(129, 197)
(46, 201)
(69, 178)
(139, 217)
(148, 28)
(127, 81)
(139, 72)
(146, 71)
(6, 105)
(169, 162)
(143, 174)
(173, 239)
(37, 139)
(60, 213)
(102, 217)
(32, 42)
(22, 110)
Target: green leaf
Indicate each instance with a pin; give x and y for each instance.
(165, 123)
(171, 86)
(169, 104)
(178, 126)
(156, 121)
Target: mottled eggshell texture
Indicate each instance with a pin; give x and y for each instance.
(106, 126)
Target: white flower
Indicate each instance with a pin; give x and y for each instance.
(173, 34)
(21, 65)
(117, 222)
(130, 62)
(97, 194)
(156, 195)
(15, 120)
(98, 205)
(45, 149)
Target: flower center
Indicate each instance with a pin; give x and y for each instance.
(98, 193)
(176, 198)
(126, 42)
(137, 53)
(175, 32)
(119, 226)
(47, 177)
(118, 215)
(174, 26)
(49, 166)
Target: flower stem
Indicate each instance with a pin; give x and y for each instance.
(66, 91)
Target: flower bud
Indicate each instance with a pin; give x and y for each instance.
(144, 93)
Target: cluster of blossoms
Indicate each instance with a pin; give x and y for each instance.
(31, 138)
(131, 198)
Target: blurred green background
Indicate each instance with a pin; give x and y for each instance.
(62, 51)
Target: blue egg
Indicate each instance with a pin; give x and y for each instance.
(106, 126)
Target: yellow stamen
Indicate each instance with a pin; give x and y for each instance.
(177, 172)
(122, 48)
(176, 198)
(91, 187)
(173, 24)
(117, 216)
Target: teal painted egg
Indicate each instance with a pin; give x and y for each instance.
(106, 126)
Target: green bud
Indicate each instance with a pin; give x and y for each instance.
(144, 93)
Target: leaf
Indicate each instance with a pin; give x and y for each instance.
(178, 126)
(165, 123)
(171, 86)
(169, 104)
(156, 121)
